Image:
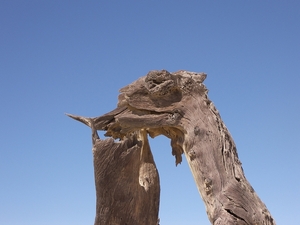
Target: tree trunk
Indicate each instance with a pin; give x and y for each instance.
(126, 179)
(177, 106)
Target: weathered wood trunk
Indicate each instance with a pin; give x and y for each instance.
(126, 179)
(177, 106)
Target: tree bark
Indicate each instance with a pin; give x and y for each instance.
(176, 105)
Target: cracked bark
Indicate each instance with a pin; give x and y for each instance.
(175, 105)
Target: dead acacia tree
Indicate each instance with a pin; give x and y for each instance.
(175, 105)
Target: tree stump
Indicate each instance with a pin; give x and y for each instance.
(175, 105)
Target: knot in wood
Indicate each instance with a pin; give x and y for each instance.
(160, 83)
(226, 152)
(196, 130)
(157, 76)
(207, 181)
(201, 134)
(208, 186)
(192, 154)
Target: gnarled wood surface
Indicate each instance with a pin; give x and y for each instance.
(177, 106)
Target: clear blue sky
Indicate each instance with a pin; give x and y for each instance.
(74, 56)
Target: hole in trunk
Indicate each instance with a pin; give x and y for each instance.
(180, 201)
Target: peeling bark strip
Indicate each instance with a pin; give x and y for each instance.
(177, 106)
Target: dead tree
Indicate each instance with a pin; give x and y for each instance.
(175, 105)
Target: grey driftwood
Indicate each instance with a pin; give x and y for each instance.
(175, 105)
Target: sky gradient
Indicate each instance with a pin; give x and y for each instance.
(61, 57)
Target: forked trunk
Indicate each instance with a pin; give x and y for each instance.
(177, 106)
